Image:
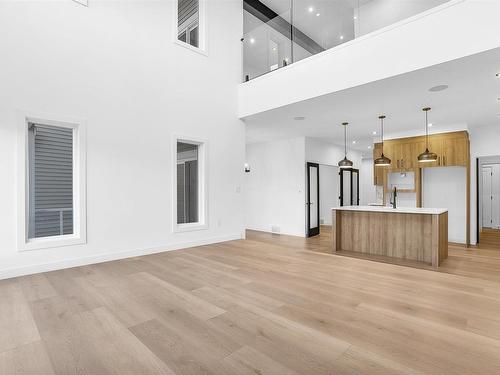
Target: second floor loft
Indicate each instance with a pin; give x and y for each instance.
(281, 32)
(406, 42)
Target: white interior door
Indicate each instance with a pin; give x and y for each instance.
(495, 194)
(487, 197)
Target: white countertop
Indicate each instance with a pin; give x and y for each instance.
(399, 210)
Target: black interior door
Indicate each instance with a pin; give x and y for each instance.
(349, 187)
(312, 203)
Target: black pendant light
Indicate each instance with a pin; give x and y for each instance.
(382, 161)
(427, 156)
(345, 163)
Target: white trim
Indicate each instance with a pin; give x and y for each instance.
(110, 256)
(79, 183)
(202, 184)
(202, 29)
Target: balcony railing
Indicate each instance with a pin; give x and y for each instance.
(50, 222)
(280, 32)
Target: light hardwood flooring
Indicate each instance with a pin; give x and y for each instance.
(266, 305)
(490, 238)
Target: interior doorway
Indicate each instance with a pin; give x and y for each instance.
(488, 201)
(323, 193)
(312, 202)
(349, 187)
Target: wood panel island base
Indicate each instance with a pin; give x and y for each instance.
(408, 236)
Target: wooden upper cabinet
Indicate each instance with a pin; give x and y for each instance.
(406, 156)
(435, 146)
(455, 151)
(452, 149)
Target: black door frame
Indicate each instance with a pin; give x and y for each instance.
(312, 231)
(341, 174)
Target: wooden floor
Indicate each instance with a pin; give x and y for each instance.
(490, 238)
(266, 305)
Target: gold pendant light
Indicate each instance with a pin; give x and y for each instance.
(345, 163)
(427, 156)
(382, 161)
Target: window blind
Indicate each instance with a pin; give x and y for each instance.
(186, 9)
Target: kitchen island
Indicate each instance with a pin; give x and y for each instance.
(409, 236)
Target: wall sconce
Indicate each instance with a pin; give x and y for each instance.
(247, 168)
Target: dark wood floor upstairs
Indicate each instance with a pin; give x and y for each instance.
(266, 305)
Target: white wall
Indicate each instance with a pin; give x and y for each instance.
(115, 65)
(329, 181)
(445, 187)
(369, 190)
(456, 29)
(321, 152)
(275, 186)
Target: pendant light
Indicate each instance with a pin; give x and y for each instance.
(382, 161)
(427, 156)
(345, 163)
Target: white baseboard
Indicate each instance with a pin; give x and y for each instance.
(269, 231)
(106, 257)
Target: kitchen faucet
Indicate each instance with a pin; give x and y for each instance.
(394, 198)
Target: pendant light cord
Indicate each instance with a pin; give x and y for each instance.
(426, 110)
(382, 132)
(382, 117)
(345, 140)
(426, 130)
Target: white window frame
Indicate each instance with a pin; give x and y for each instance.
(79, 235)
(202, 29)
(202, 222)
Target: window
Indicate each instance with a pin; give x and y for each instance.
(50, 179)
(190, 22)
(189, 185)
(52, 187)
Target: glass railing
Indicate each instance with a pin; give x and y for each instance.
(281, 32)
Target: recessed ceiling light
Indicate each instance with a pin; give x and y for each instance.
(252, 40)
(430, 124)
(318, 14)
(498, 74)
(355, 17)
(374, 133)
(438, 88)
(341, 37)
(299, 118)
(369, 147)
(353, 142)
(310, 9)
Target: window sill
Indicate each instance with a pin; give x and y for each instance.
(51, 242)
(189, 227)
(191, 48)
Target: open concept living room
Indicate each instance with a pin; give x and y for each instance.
(266, 187)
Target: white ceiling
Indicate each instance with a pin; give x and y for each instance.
(472, 99)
